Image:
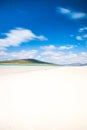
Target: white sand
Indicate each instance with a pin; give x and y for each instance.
(47, 99)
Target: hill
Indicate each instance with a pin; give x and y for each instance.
(26, 62)
(77, 64)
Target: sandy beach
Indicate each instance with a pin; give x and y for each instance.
(47, 98)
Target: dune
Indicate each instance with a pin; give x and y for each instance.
(50, 98)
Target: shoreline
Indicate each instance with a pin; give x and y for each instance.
(7, 70)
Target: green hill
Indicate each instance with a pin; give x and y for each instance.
(25, 62)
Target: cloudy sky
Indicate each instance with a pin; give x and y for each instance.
(48, 30)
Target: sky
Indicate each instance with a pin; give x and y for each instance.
(48, 30)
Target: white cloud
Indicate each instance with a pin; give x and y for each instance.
(65, 58)
(18, 36)
(3, 55)
(85, 36)
(63, 10)
(67, 47)
(77, 15)
(58, 57)
(71, 14)
(2, 48)
(82, 34)
(42, 38)
(52, 47)
(23, 54)
(49, 47)
(79, 38)
(82, 29)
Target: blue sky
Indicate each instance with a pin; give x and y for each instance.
(49, 30)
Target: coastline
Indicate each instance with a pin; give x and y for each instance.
(13, 69)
